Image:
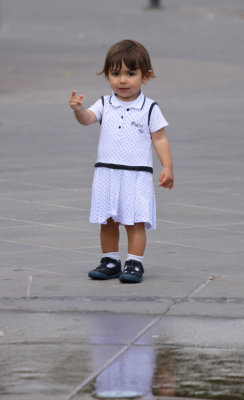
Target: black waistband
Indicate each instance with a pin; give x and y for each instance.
(126, 167)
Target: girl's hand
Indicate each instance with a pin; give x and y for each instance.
(166, 178)
(75, 101)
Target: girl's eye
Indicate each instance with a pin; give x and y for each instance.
(131, 73)
(114, 73)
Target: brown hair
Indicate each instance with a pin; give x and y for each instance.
(132, 53)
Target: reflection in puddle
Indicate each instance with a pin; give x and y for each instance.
(200, 373)
(130, 373)
(172, 371)
(118, 394)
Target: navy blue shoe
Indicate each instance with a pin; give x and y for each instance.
(133, 272)
(102, 272)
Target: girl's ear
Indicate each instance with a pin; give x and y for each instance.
(147, 76)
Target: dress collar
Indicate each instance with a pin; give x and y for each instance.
(137, 103)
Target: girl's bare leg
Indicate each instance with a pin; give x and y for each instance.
(109, 236)
(136, 238)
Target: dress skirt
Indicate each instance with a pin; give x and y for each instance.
(126, 196)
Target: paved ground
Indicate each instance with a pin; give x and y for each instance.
(181, 332)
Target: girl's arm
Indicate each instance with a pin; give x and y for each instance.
(162, 148)
(83, 116)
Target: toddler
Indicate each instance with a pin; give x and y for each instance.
(122, 190)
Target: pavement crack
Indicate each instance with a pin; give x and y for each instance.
(199, 288)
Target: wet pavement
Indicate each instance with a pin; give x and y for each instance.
(180, 333)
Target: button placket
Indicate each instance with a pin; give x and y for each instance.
(121, 117)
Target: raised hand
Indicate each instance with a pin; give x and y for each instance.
(75, 101)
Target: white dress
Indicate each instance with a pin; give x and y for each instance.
(125, 139)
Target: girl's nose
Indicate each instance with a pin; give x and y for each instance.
(122, 78)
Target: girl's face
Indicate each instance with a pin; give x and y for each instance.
(126, 84)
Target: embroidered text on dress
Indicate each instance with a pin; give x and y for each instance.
(139, 126)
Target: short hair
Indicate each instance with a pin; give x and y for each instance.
(132, 53)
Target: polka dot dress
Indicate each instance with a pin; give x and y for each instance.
(125, 139)
(126, 196)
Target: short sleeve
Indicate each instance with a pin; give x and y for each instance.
(97, 109)
(157, 120)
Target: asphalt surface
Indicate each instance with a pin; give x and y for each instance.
(180, 333)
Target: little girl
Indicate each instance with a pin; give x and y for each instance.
(122, 191)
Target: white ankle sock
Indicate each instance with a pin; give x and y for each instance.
(114, 255)
(134, 257)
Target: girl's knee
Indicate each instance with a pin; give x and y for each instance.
(138, 226)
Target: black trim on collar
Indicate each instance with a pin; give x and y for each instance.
(143, 102)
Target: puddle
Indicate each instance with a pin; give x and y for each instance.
(202, 373)
(175, 357)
